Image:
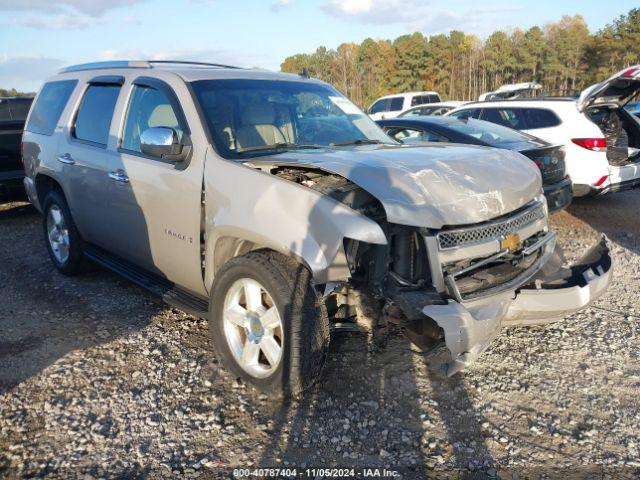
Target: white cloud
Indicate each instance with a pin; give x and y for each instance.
(423, 15)
(58, 22)
(374, 11)
(88, 7)
(26, 73)
(62, 14)
(279, 5)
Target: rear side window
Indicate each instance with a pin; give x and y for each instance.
(433, 98)
(49, 106)
(95, 113)
(541, 118)
(467, 113)
(19, 108)
(416, 112)
(396, 104)
(414, 136)
(417, 100)
(507, 117)
(380, 106)
(149, 108)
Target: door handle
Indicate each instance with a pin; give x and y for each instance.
(119, 176)
(66, 158)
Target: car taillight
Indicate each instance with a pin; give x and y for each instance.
(593, 144)
(631, 72)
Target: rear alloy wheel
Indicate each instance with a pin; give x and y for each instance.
(268, 323)
(58, 234)
(62, 238)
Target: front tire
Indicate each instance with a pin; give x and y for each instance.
(62, 238)
(268, 323)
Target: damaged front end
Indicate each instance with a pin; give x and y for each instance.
(456, 285)
(530, 286)
(459, 286)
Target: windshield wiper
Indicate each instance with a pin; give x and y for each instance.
(366, 141)
(278, 146)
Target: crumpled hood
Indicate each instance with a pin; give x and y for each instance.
(430, 186)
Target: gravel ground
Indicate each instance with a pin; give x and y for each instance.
(98, 378)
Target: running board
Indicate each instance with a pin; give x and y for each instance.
(192, 303)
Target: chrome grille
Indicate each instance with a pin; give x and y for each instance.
(490, 231)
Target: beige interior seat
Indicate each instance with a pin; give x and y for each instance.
(258, 127)
(284, 122)
(222, 122)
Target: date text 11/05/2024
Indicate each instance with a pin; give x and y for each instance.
(316, 472)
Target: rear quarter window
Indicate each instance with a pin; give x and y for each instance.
(49, 106)
(93, 120)
(541, 118)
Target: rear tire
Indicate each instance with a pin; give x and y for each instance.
(246, 330)
(61, 236)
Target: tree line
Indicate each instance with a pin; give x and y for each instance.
(564, 56)
(12, 92)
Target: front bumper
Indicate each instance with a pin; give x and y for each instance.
(558, 195)
(470, 327)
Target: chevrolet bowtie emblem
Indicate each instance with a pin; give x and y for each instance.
(510, 242)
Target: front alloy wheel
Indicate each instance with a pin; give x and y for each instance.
(268, 323)
(253, 328)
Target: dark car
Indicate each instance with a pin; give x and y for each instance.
(13, 112)
(549, 158)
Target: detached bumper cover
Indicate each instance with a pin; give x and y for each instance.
(572, 290)
(470, 327)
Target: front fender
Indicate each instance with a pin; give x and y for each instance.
(257, 207)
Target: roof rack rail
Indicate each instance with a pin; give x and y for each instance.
(187, 62)
(109, 64)
(136, 64)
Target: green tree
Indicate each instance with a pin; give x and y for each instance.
(563, 57)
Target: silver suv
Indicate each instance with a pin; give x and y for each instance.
(274, 207)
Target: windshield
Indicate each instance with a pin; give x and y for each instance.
(494, 135)
(258, 117)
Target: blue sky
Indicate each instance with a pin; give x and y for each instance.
(39, 36)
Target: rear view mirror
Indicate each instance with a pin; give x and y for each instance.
(162, 142)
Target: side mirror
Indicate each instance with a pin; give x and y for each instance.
(162, 142)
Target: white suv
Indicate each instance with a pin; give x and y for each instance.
(393, 105)
(601, 138)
